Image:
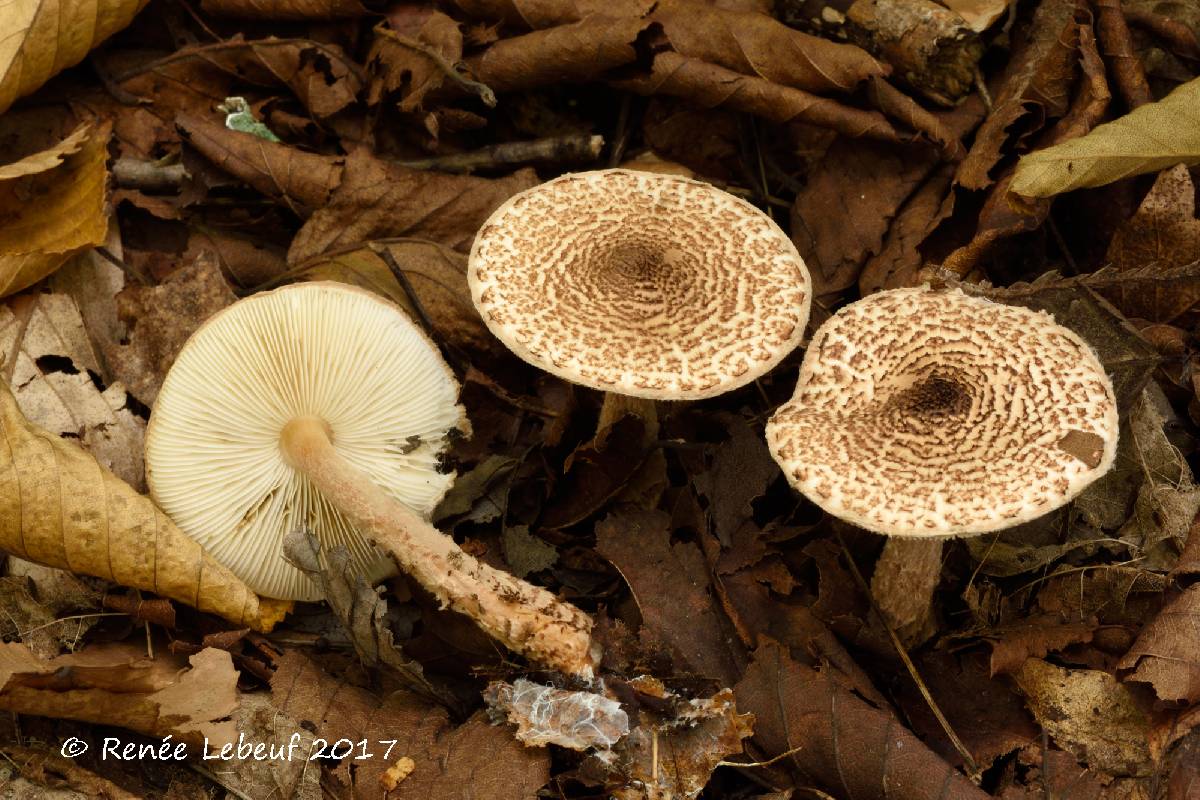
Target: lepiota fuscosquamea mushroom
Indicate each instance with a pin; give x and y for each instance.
(324, 405)
(642, 285)
(923, 414)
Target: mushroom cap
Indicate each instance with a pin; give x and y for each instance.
(640, 283)
(213, 459)
(935, 413)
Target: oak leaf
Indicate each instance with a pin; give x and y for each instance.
(61, 508)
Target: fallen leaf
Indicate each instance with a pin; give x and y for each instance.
(978, 14)
(1167, 652)
(291, 775)
(52, 204)
(414, 55)
(1034, 637)
(54, 374)
(44, 37)
(61, 508)
(670, 584)
(334, 709)
(284, 9)
(596, 472)
(54, 773)
(525, 553)
(846, 745)
(115, 685)
(1090, 715)
(548, 13)
(1038, 79)
(436, 274)
(1164, 233)
(476, 760)
(1148, 139)
(161, 318)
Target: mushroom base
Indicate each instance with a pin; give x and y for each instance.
(526, 619)
(906, 575)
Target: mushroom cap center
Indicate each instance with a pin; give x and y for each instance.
(936, 397)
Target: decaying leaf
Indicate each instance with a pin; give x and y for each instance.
(284, 9)
(43, 37)
(117, 685)
(1167, 653)
(293, 777)
(1164, 233)
(54, 374)
(161, 318)
(547, 715)
(1147, 139)
(414, 55)
(1091, 715)
(436, 274)
(52, 202)
(60, 507)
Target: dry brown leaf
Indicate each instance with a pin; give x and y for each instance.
(50, 364)
(414, 55)
(284, 9)
(1034, 637)
(538, 14)
(294, 778)
(377, 200)
(436, 274)
(117, 685)
(1167, 653)
(60, 507)
(1147, 139)
(54, 773)
(758, 44)
(43, 37)
(160, 319)
(711, 86)
(335, 709)
(476, 759)
(670, 584)
(1038, 78)
(581, 51)
(978, 14)
(52, 205)
(846, 745)
(1164, 233)
(899, 260)
(1091, 715)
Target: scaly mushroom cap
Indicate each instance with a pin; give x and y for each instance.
(345, 355)
(923, 412)
(638, 283)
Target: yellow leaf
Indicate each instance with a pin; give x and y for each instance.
(61, 508)
(1147, 139)
(41, 38)
(52, 206)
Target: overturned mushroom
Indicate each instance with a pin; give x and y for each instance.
(641, 285)
(926, 414)
(324, 405)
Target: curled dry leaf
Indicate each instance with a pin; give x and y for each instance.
(50, 365)
(414, 56)
(1167, 653)
(117, 685)
(711, 86)
(284, 9)
(61, 508)
(43, 37)
(1149, 138)
(1091, 715)
(52, 204)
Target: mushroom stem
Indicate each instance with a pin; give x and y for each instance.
(526, 619)
(906, 575)
(616, 406)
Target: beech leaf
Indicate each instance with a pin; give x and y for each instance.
(1147, 139)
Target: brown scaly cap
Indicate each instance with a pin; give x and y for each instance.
(643, 284)
(922, 412)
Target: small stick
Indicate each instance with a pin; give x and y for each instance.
(148, 176)
(570, 149)
(480, 90)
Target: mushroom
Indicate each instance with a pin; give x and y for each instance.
(925, 414)
(645, 286)
(321, 404)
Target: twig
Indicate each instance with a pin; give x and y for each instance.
(621, 139)
(401, 278)
(23, 634)
(766, 763)
(107, 255)
(148, 176)
(963, 752)
(981, 87)
(333, 53)
(481, 90)
(568, 149)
